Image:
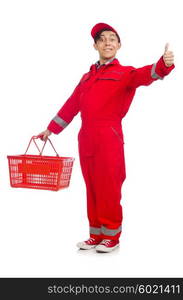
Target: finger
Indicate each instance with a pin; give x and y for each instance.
(168, 57)
(45, 137)
(169, 53)
(41, 136)
(166, 47)
(168, 60)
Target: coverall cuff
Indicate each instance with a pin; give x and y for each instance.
(109, 237)
(54, 127)
(161, 69)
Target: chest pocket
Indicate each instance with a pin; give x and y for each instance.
(114, 76)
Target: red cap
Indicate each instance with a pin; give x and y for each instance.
(99, 26)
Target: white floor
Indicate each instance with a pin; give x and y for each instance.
(40, 229)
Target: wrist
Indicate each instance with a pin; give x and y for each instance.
(48, 131)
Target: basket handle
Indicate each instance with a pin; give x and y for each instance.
(33, 138)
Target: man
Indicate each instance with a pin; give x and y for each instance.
(103, 97)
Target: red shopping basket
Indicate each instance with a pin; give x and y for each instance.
(38, 171)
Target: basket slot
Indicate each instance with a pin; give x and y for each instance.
(65, 176)
(67, 163)
(66, 170)
(64, 183)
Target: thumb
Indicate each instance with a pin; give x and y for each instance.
(166, 47)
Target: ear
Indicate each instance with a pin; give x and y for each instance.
(95, 46)
(119, 45)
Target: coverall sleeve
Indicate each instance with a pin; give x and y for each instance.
(67, 112)
(147, 74)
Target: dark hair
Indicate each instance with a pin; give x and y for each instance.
(97, 36)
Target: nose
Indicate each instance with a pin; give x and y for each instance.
(107, 42)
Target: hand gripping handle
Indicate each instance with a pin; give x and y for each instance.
(33, 138)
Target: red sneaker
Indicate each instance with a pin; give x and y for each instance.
(89, 244)
(107, 245)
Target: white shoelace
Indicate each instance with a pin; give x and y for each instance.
(105, 242)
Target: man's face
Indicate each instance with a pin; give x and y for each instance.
(107, 45)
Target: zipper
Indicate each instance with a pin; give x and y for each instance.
(117, 134)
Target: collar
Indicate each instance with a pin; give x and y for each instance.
(94, 68)
(98, 65)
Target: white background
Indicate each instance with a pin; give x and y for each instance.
(45, 47)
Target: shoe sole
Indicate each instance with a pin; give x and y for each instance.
(106, 250)
(82, 248)
(86, 247)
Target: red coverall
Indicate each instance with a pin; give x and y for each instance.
(103, 97)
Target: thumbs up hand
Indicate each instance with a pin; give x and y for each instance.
(168, 56)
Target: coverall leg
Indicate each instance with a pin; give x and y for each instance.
(102, 162)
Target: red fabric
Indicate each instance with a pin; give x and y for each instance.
(93, 241)
(161, 68)
(100, 26)
(103, 98)
(103, 167)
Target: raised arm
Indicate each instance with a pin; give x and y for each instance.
(150, 73)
